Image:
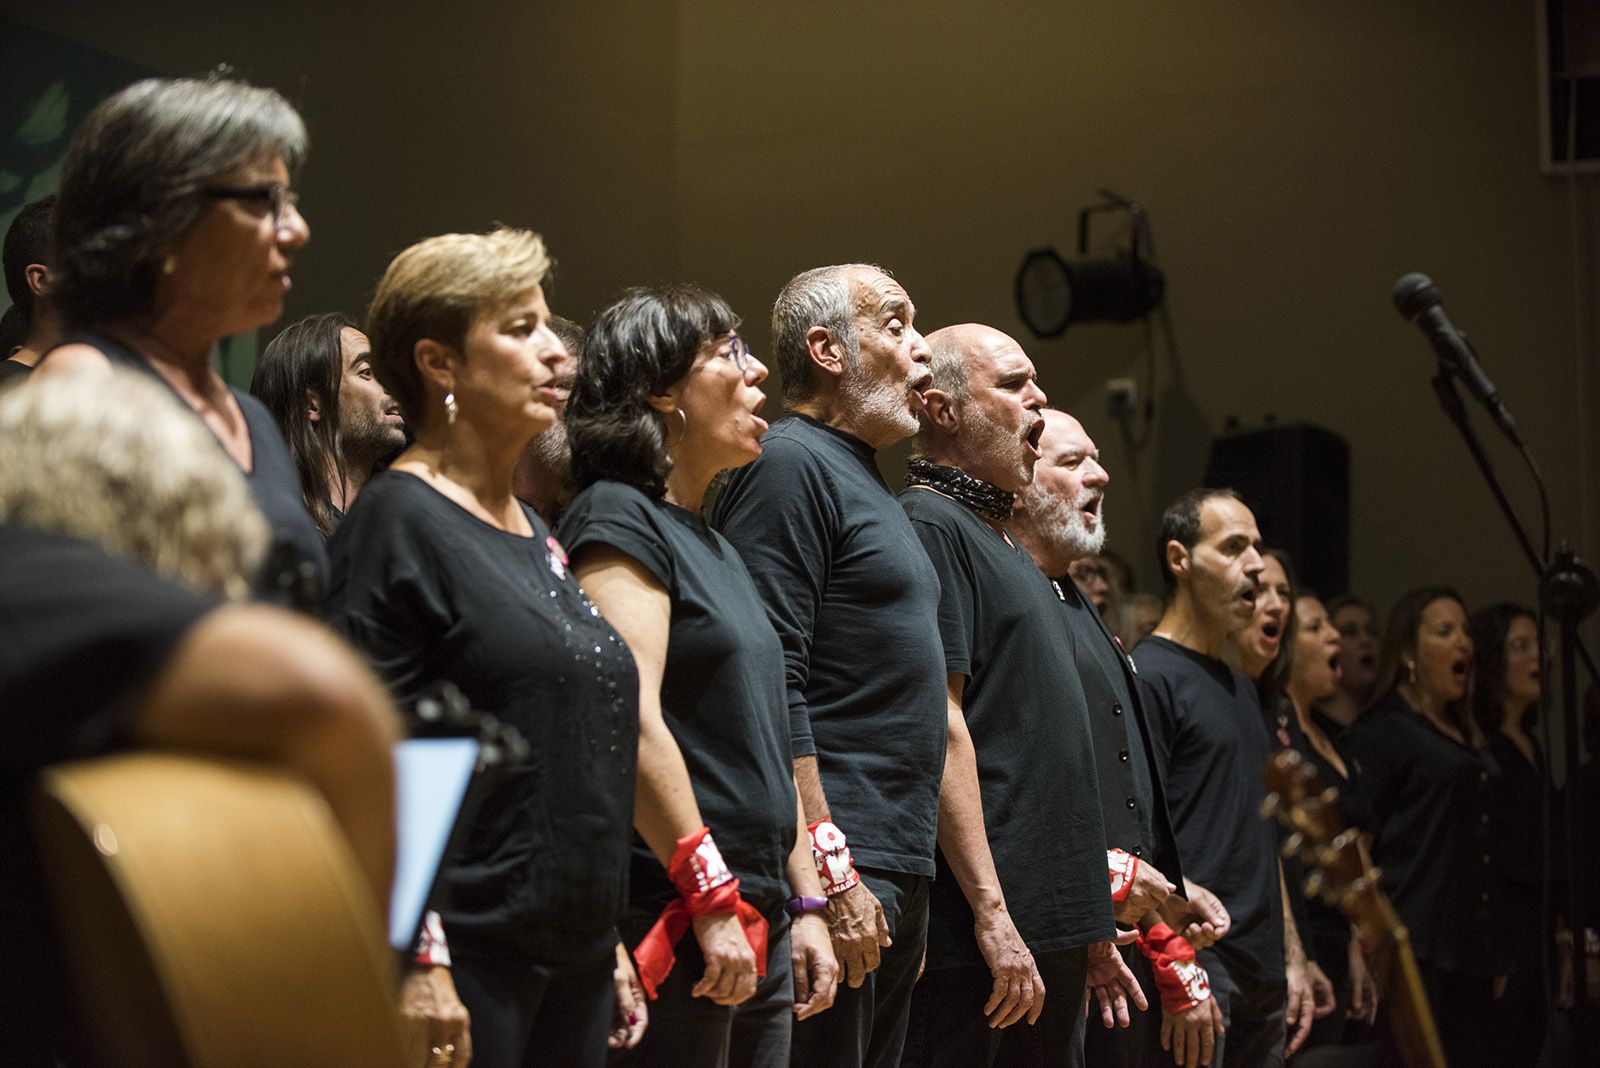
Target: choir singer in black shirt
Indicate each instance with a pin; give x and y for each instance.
(1424, 776)
(1022, 906)
(1211, 743)
(853, 599)
(1060, 519)
(441, 574)
(667, 396)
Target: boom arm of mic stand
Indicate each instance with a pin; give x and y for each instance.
(1444, 385)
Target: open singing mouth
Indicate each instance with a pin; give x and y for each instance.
(1032, 438)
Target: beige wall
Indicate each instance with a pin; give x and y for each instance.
(1295, 159)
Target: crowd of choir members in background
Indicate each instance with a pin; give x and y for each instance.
(469, 488)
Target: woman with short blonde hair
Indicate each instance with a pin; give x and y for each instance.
(441, 575)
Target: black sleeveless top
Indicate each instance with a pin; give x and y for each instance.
(295, 572)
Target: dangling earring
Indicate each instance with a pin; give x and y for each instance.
(1411, 671)
(450, 408)
(169, 264)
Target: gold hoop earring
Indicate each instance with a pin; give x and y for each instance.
(450, 408)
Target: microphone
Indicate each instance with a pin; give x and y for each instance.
(1418, 300)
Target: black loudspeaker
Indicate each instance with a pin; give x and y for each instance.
(1297, 481)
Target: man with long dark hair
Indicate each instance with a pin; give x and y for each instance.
(316, 379)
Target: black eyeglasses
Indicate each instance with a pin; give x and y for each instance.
(738, 350)
(273, 195)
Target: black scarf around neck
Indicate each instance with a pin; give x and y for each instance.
(985, 498)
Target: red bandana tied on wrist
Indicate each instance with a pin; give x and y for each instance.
(708, 888)
(1182, 982)
(1124, 867)
(834, 866)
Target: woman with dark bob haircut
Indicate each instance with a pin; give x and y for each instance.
(1424, 778)
(441, 574)
(175, 228)
(1505, 703)
(666, 396)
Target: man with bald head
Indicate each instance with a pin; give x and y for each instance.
(1022, 891)
(1060, 520)
(853, 598)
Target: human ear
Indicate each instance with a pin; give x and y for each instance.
(37, 275)
(437, 363)
(941, 410)
(825, 351)
(313, 406)
(1177, 558)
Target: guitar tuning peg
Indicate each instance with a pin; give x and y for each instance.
(1293, 844)
(1270, 805)
(1314, 884)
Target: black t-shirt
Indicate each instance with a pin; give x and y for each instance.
(83, 635)
(722, 690)
(1213, 745)
(429, 592)
(1133, 801)
(273, 482)
(854, 601)
(1001, 625)
(1428, 796)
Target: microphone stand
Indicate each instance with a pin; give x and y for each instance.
(1569, 592)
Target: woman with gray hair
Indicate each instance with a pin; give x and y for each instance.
(175, 228)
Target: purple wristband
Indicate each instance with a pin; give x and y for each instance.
(797, 905)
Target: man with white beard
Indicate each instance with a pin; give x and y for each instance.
(1059, 519)
(854, 600)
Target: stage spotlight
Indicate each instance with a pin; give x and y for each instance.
(1053, 293)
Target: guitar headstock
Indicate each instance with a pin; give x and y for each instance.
(1318, 835)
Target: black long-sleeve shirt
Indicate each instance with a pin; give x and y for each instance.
(1428, 795)
(1133, 800)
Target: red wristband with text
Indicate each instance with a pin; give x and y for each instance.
(706, 888)
(432, 949)
(1182, 982)
(1124, 867)
(834, 866)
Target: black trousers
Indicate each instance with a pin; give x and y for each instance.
(1521, 1018)
(686, 1030)
(526, 1014)
(866, 1028)
(1463, 1010)
(948, 1027)
(1253, 1010)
